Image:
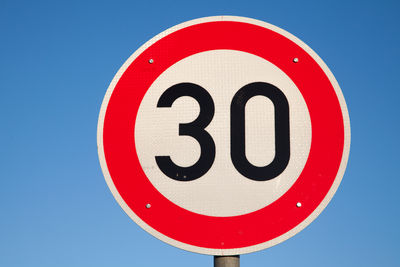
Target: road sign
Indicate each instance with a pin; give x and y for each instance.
(223, 135)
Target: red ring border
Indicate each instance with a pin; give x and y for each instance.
(234, 232)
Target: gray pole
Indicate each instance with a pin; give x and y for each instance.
(227, 261)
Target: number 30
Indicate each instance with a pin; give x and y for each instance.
(196, 129)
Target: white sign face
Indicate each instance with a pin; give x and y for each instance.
(223, 136)
(222, 190)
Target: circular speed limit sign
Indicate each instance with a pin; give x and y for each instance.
(223, 135)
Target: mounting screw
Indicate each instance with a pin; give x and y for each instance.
(298, 204)
(151, 61)
(148, 205)
(295, 60)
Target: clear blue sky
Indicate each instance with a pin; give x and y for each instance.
(56, 61)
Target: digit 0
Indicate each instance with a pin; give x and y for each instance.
(282, 137)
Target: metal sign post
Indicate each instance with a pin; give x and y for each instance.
(227, 261)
